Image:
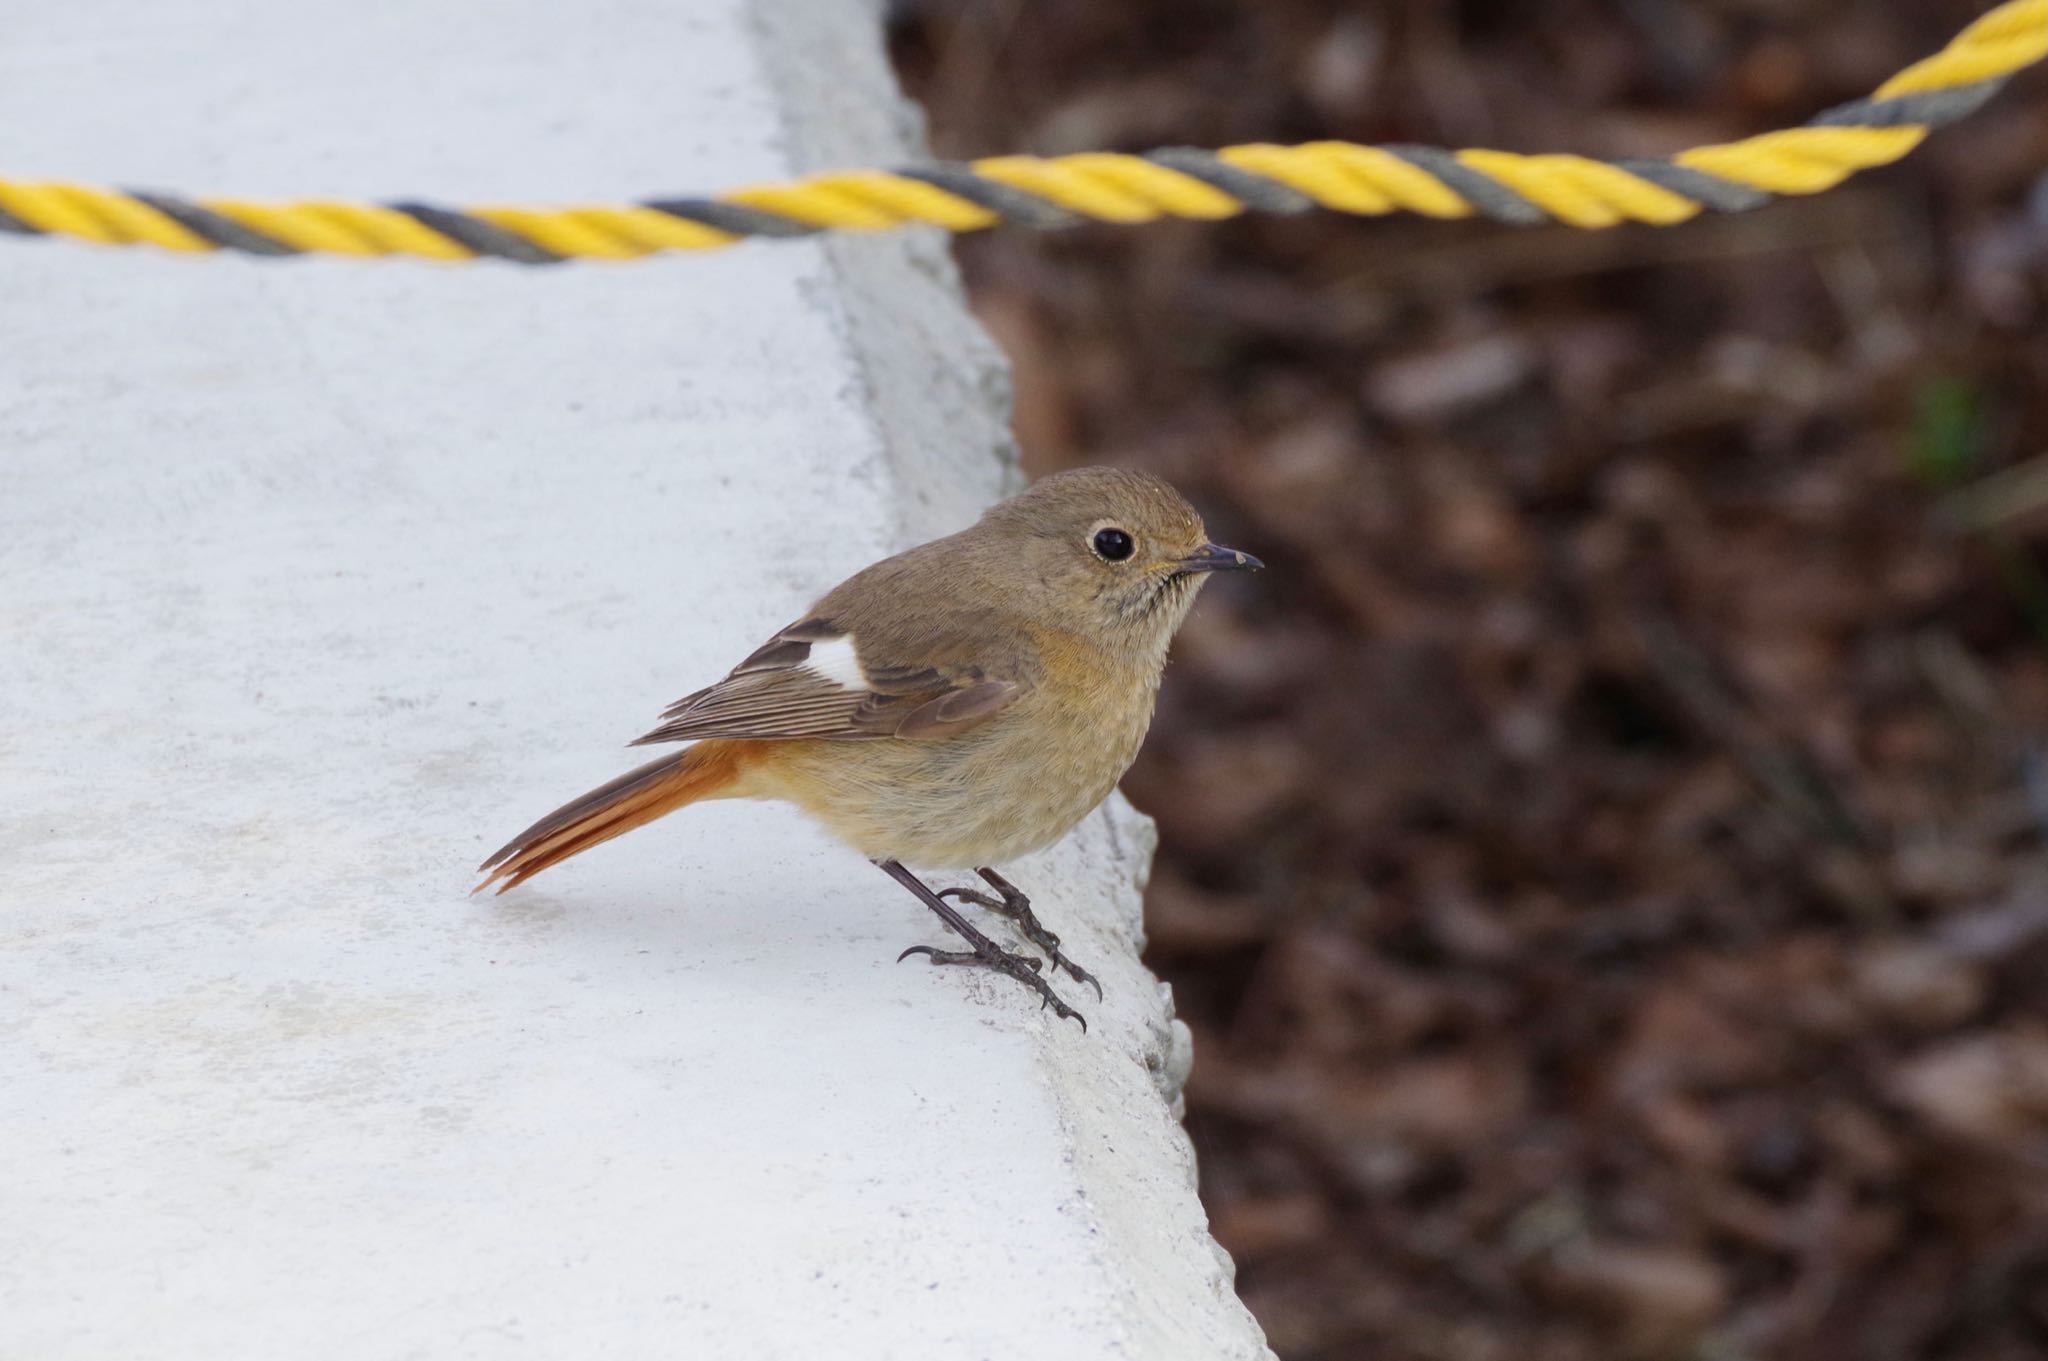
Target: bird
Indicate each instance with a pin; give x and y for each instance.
(955, 706)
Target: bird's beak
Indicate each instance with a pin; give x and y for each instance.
(1214, 557)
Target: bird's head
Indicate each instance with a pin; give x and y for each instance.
(1108, 552)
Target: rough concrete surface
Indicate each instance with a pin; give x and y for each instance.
(322, 578)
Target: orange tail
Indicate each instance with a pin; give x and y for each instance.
(634, 798)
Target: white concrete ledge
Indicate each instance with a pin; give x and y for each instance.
(321, 578)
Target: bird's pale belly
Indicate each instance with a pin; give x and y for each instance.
(983, 798)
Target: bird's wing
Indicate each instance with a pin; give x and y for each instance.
(816, 679)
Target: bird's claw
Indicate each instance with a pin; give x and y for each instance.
(939, 956)
(1017, 907)
(1023, 968)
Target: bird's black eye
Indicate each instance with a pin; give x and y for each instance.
(1113, 544)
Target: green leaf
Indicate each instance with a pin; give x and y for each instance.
(1948, 433)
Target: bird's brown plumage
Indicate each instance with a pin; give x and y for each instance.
(958, 704)
(635, 798)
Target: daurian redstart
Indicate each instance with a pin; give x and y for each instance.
(955, 706)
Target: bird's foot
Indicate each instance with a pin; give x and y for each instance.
(986, 954)
(1013, 904)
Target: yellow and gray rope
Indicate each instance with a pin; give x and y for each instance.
(1029, 191)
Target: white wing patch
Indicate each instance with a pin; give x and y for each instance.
(837, 662)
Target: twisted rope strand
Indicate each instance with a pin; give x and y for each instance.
(1041, 192)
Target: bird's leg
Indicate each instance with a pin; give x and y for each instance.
(981, 952)
(1014, 905)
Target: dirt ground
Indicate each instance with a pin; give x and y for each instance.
(1603, 857)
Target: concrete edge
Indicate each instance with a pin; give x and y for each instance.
(939, 392)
